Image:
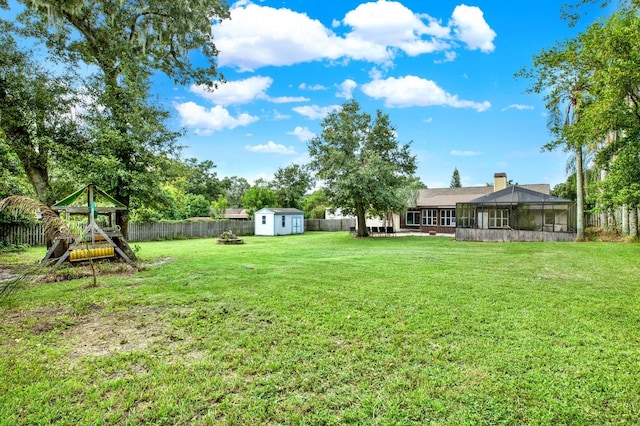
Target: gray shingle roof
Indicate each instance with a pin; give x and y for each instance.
(448, 197)
(518, 194)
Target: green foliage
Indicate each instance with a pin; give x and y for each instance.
(131, 37)
(145, 214)
(235, 187)
(201, 179)
(127, 42)
(567, 189)
(315, 204)
(455, 179)
(197, 206)
(290, 184)
(257, 197)
(35, 124)
(361, 163)
(622, 184)
(13, 180)
(219, 207)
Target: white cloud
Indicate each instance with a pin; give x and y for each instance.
(279, 116)
(449, 56)
(204, 121)
(390, 24)
(313, 87)
(346, 89)
(470, 27)
(288, 99)
(269, 148)
(241, 92)
(464, 153)
(258, 36)
(412, 91)
(315, 112)
(519, 107)
(302, 133)
(235, 92)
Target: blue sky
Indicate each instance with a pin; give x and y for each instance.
(442, 70)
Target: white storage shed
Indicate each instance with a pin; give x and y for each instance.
(278, 221)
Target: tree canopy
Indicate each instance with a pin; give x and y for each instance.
(127, 42)
(290, 184)
(455, 179)
(361, 163)
(595, 77)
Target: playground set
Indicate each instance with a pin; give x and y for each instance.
(100, 238)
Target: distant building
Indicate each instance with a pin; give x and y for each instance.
(278, 221)
(236, 214)
(435, 209)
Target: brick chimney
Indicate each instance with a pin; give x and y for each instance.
(499, 181)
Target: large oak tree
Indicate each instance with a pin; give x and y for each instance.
(361, 163)
(126, 42)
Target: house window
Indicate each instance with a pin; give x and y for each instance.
(430, 217)
(264, 220)
(413, 218)
(549, 217)
(447, 217)
(283, 221)
(465, 214)
(498, 218)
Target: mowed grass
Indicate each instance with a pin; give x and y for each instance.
(323, 328)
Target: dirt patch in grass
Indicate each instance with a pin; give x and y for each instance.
(157, 262)
(124, 331)
(72, 272)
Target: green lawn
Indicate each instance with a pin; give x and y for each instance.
(323, 328)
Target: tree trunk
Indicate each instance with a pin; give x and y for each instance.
(122, 217)
(579, 196)
(362, 220)
(625, 219)
(605, 215)
(633, 222)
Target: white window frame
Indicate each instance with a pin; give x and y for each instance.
(498, 218)
(448, 217)
(430, 217)
(284, 221)
(264, 220)
(415, 214)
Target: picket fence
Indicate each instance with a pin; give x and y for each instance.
(32, 235)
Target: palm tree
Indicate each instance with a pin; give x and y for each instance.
(563, 123)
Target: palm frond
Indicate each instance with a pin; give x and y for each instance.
(52, 224)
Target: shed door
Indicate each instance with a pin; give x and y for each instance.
(296, 225)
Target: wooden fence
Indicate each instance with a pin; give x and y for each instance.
(331, 225)
(33, 235)
(186, 230)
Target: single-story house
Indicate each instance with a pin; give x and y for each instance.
(278, 221)
(434, 210)
(236, 214)
(516, 213)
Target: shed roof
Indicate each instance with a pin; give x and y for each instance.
(517, 194)
(280, 210)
